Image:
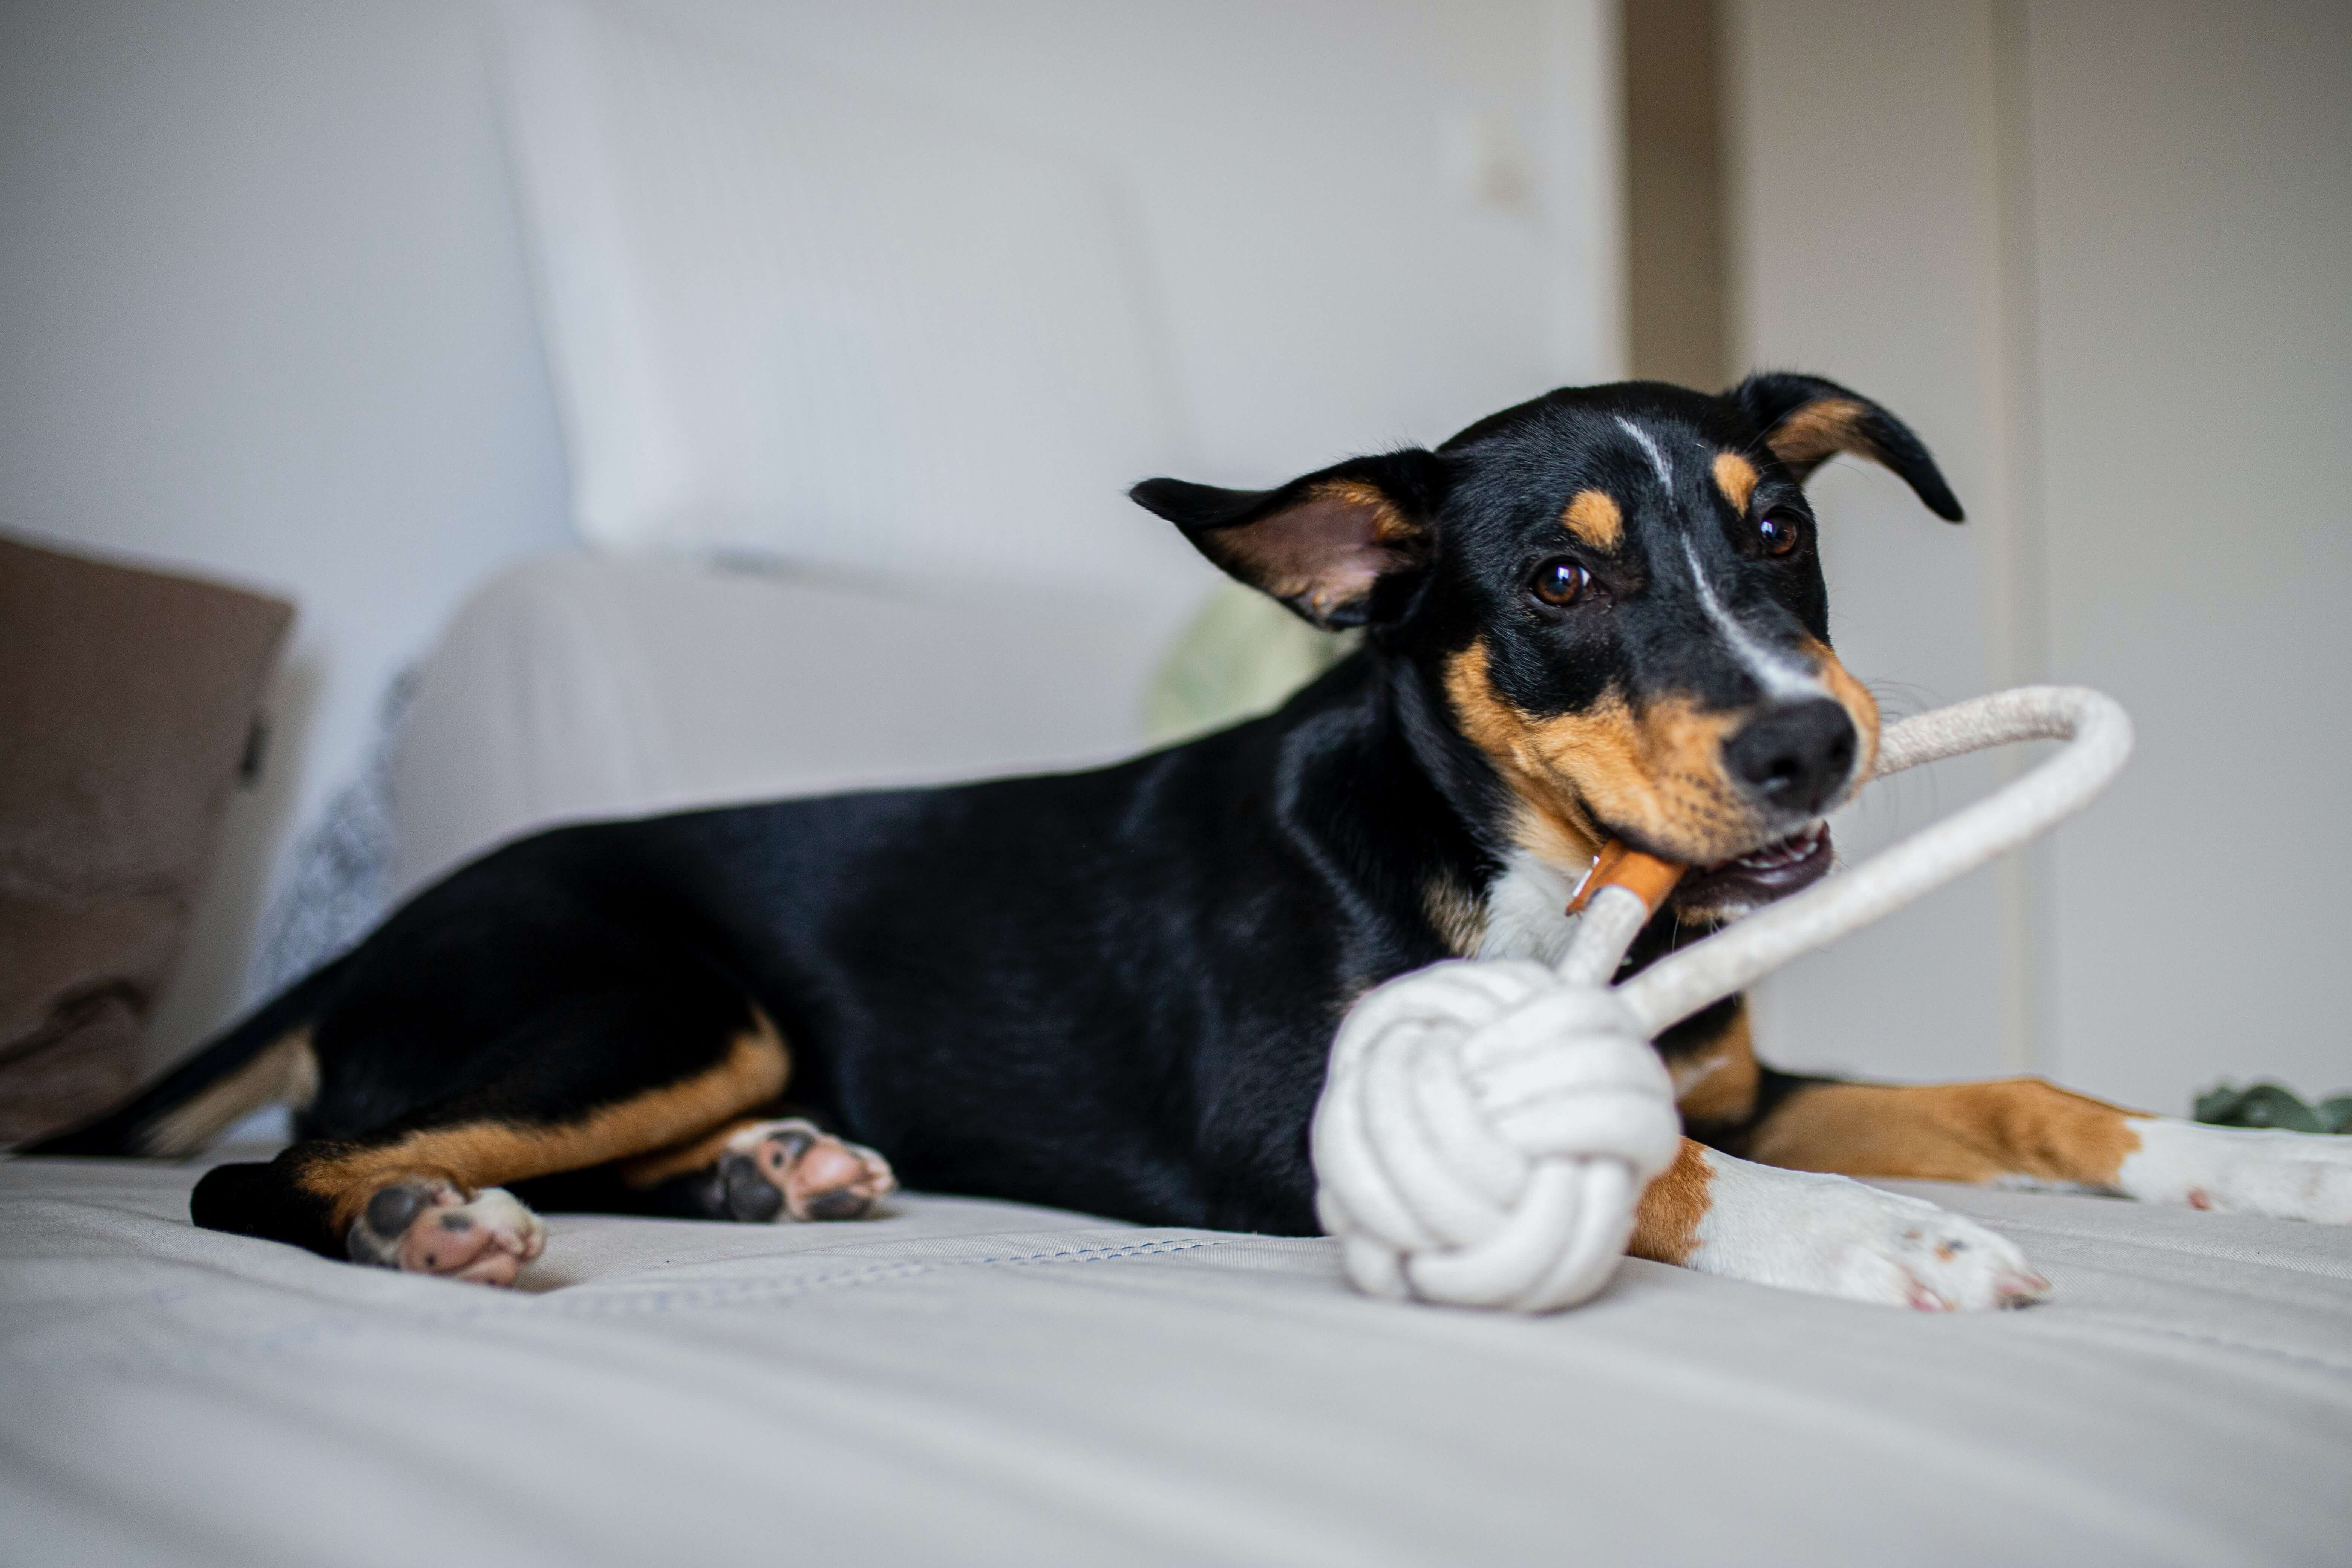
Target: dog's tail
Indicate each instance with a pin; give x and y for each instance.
(264, 1058)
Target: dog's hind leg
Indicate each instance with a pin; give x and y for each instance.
(755, 1169)
(599, 1079)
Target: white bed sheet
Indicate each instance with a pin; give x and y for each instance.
(978, 1382)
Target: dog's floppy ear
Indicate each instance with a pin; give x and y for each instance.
(1806, 420)
(1344, 546)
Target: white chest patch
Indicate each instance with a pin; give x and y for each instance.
(1526, 912)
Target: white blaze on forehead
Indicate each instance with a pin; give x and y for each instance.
(1650, 448)
(1781, 674)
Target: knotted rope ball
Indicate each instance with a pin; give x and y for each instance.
(1486, 1132)
(1488, 1126)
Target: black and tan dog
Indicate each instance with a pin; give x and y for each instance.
(1598, 614)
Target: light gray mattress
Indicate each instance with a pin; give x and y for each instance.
(979, 1383)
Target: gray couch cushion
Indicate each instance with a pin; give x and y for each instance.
(578, 685)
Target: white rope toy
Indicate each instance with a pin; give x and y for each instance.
(1488, 1126)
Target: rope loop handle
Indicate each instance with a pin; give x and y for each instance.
(1487, 1126)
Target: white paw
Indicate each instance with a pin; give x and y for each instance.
(2241, 1169)
(1834, 1237)
(431, 1227)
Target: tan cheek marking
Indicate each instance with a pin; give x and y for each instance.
(1667, 1229)
(1856, 699)
(1817, 429)
(1716, 1084)
(1552, 824)
(1594, 517)
(492, 1153)
(1660, 775)
(1948, 1132)
(1682, 747)
(1734, 476)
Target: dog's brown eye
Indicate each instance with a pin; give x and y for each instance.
(1559, 581)
(1779, 531)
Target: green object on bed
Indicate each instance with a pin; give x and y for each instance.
(1242, 656)
(2273, 1105)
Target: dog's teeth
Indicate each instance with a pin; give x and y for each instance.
(1786, 852)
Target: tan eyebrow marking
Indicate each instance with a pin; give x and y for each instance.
(1734, 476)
(1594, 517)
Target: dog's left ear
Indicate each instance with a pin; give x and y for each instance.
(1807, 420)
(1344, 546)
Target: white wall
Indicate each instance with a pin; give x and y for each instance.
(263, 315)
(1862, 190)
(263, 309)
(2101, 256)
(1297, 169)
(2192, 207)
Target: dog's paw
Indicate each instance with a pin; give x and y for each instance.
(1834, 1236)
(773, 1170)
(2239, 1170)
(429, 1226)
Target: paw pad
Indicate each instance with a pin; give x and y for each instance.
(776, 1170)
(429, 1226)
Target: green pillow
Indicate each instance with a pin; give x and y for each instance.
(1242, 655)
(2273, 1105)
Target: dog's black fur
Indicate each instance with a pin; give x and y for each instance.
(1114, 991)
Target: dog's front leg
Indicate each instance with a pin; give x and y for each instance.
(2023, 1132)
(1831, 1236)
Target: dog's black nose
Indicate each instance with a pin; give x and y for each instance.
(1795, 757)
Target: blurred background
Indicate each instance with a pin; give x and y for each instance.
(678, 389)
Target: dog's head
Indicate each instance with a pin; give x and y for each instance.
(1617, 593)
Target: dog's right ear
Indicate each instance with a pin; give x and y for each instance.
(1343, 547)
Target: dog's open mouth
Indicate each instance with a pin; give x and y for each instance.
(1759, 877)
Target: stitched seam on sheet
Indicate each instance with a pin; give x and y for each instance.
(512, 1310)
(2295, 1357)
(724, 1293)
(2176, 1249)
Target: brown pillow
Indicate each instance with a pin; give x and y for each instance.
(128, 705)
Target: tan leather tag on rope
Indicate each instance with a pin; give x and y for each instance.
(1620, 865)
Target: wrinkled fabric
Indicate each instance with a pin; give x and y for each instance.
(979, 1383)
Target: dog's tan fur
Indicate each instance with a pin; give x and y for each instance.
(2008, 1128)
(1594, 517)
(492, 1154)
(1658, 772)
